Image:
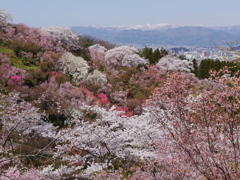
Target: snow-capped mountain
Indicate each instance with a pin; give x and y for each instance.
(162, 34)
(148, 27)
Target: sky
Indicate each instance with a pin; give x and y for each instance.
(66, 13)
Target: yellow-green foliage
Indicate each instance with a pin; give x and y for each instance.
(16, 61)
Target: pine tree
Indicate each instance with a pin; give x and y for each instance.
(204, 69)
(195, 67)
(155, 56)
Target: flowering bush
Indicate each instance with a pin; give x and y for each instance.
(15, 81)
(103, 98)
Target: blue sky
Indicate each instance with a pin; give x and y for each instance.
(44, 13)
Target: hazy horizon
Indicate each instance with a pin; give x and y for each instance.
(107, 13)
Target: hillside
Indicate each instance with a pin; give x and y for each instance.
(76, 107)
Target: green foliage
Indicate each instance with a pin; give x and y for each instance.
(6, 50)
(156, 56)
(22, 63)
(182, 57)
(16, 61)
(147, 53)
(195, 67)
(207, 64)
(234, 66)
(153, 56)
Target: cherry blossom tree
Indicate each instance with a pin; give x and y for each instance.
(96, 77)
(173, 63)
(97, 52)
(32, 40)
(202, 131)
(5, 17)
(97, 55)
(124, 56)
(65, 35)
(78, 69)
(20, 123)
(88, 147)
(199, 134)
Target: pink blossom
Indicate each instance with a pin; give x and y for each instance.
(126, 111)
(16, 81)
(103, 98)
(87, 92)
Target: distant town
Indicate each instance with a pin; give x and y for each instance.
(204, 53)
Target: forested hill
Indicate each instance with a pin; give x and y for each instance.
(75, 107)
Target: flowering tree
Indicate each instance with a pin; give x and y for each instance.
(20, 122)
(97, 52)
(96, 77)
(32, 44)
(65, 35)
(78, 69)
(88, 147)
(97, 55)
(124, 56)
(5, 17)
(199, 135)
(202, 132)
(173, 63)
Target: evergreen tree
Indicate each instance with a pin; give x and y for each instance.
(147, 53)
(155, 56)
(163, 52)
(204, 69)
(195, 67)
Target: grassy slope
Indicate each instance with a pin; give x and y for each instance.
(16, 61)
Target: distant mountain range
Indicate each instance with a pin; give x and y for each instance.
(162, 34)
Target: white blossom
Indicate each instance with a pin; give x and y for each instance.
(96, 77)
(74, 66)
(109, 136)
(78, 69)
(23, 117)
(65, 35)
(124, 56)
(173, 63)
(5, 17)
